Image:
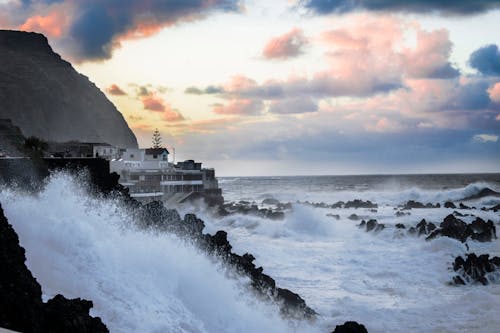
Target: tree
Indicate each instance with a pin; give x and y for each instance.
(156, 139)
(35, 147)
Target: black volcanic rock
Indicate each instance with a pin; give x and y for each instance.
(474, 268)
(371, 225)
(360, 204)
(416, 204)
(454, 228)
(350, 327)
(45, 97)
(485, 192)
(449, 204)
(21, 306)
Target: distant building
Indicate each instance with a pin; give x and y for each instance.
(150, 176)
(105, 151)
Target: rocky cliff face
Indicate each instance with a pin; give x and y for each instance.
(43, 95)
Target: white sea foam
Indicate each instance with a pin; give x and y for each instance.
(389, 281)
(138, 281)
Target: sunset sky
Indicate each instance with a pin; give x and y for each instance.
(287, 87)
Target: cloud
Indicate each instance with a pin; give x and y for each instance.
(486, 60)
(172, 115)
(494, 92)
(453, 7)
(208, 90)
(285, 46)
(94, 28)
(52, 25)
(153, 103)
(247, 107)
(429, 59)
(293, 105)
(484, 138)
(115, 90)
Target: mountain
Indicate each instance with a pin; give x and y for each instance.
(46, 97)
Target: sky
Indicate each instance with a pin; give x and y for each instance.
(292, 87)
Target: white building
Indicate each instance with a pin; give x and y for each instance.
(150, 176)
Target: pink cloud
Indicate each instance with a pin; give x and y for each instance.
(430, 57)
(285, 46)
(494, 92)
(239, 107)
(153, 103)
(171, 115)
(115, 90)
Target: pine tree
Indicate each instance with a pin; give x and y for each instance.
(156, 139)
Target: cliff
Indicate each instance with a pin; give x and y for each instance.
(45, 97)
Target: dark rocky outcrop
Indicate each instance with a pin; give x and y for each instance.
(400, 226)
(449, 204)
(360, 204)
(350, 327)
(411, 204)
(35, 83)
(485, 192)
(371, 225)
(495, 208)
(424, 228)
(475, 268)
(21, 306)
(454, 228)
(250, 208)
(154, 215)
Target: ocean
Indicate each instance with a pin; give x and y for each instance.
(390, 280)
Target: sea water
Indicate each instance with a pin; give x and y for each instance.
(139, 281)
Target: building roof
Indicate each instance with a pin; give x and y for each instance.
(156, 151)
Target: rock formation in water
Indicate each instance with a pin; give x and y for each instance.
(45, 97)
(21, 306)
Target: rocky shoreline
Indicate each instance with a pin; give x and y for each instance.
(63, 315)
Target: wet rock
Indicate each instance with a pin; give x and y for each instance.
(373, 225)
(411, 204)
(462, 206)
(360, 204)
(21, 306)
(400, 213)
(451, 227)
(449, 204)
(400, 226)
(338, 204)
(250, 208)
(483, 231)
(350, 327)
(495, 208)
(335, 216)
(155, 215)
(354, 217)
(485, 192)
(424, 228)
(270, 201)
(454, 228)
(475, 268)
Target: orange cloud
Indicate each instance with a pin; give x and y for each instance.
(285, 46)
(53, 25)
